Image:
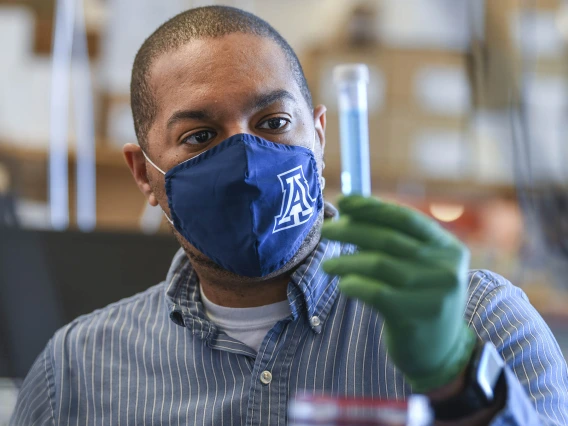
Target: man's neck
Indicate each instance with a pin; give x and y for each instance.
(241, 295)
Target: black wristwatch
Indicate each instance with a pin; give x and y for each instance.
(484, 381)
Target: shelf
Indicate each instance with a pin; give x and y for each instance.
(105, 155)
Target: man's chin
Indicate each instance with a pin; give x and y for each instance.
(308, 246)
(202, 264)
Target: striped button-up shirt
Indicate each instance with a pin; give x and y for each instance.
(155, 358)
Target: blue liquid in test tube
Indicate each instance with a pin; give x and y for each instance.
(351, 81)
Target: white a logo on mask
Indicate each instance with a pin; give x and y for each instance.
(297, 204)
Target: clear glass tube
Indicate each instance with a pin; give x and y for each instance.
(351, 81)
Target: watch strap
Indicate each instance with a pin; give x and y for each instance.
(474, 397)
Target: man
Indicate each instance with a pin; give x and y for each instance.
(251, 313)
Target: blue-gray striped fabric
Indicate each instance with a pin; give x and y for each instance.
(154, 359)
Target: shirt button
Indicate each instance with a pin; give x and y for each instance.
(266, 377)
(315, 321)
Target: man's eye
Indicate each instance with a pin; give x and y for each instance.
(275, 123)
(198, 138)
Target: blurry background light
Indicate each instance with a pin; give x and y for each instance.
(446, 212)
(443, 90)
(562, 20)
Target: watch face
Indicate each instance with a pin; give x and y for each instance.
(488, 370)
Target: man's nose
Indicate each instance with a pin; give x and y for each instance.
(238, 128)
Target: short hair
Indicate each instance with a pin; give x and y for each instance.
(198, 23)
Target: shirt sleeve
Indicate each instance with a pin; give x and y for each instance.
(34, 404)
(536, 373)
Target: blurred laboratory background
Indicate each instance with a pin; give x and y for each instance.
(468, 121)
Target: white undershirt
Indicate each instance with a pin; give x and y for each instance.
(248, 325)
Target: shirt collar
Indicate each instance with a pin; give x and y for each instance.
(311, 292)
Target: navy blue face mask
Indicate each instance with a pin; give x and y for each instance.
(247, 203)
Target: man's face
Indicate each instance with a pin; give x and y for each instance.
(213, 88)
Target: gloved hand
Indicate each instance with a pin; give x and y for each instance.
(415, 274)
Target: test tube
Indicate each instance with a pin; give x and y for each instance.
(351, 81)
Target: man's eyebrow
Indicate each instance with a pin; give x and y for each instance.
(262, 101)
(258, 102)
(186, 115)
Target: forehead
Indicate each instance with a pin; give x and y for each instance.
(218, 69)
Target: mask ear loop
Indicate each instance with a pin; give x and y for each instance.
(162, 172)
(152, 163)
(314, 140)
(322, 179)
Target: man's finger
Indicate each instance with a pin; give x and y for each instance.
(374, 292)
(393, 303)
(373, 265)
(403, 219)
(397, 273)
(369, 238)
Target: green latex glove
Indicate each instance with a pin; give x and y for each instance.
(415, 274)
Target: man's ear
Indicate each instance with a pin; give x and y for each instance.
(137, 164)
(320, 121)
